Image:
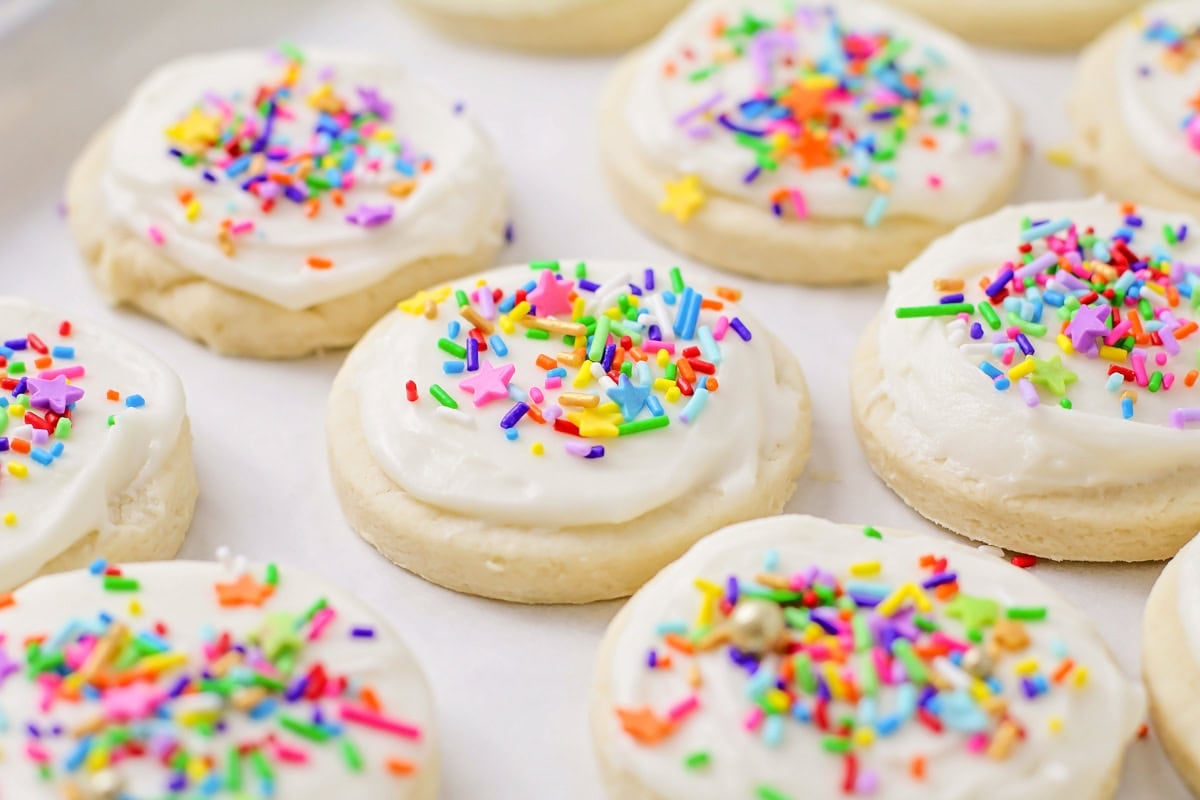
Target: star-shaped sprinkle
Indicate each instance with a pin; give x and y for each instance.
(1086, 326)
(682, 198)
(1052, 375)
(369, 216)
(975, 612)
(489, 383)
(245, 591)
(374, 102)
(197, 129)
(418, 302)
(552, 297)
(599, 422)
(279, 635)
(630, 397)
(55, 394)
(132, 702)
(644, 725)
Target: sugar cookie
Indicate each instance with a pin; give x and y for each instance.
(1171, 661)
(826, 145)
(796, 658)
(276, 206)
(558, 434)
(551, 26)
(196, 679)
(1061, 25)
(1031, 379)
(1133, 109)
(95, 448)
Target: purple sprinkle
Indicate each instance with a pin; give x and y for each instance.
(610, 352)
(976, 330)
(514, 416)
(362, 632)
(1024, 343)
(951, 298)
(648, 280)
(998, 285)
(732, 590)
(472, 354)
(587, 286)
(651, 659)
(296, 690)
(369, 216)
(635, 290)
(1028, 393)
(509, 233)
(597, 451)
(16, 344)
(654, 334)
(939, 579)
(740, 329)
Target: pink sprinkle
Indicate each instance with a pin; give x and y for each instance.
(651, 346)
(155, 234)
(753, 719)
(798, 203)
(935, 181)
(292, 755)
(553, 382)
(1118, 332)
(1161, 358)
(320, 621)
(36, 752)
(977, 743)
(535, 394)
(371, 719)
(1139, 367)
(1168, 379)
(72, 372)
(245, 226)
(721, 326)
(683, 708)
(1007, 358)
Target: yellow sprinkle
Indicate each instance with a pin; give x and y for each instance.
(1027, 666)
(837, 687)
(519, 310)
(135, 608)
(777, 700)
(891, 603)
(1154, 287)
(980, 690)
(401, 188)
(813, 632)
(584, 376)
(161, 662)
(10, 519)
(1064, 344)
(1060, 156)
(662, 384)
(920, 598)
(1080, 677)
(537, 448)
(16, 410)
(577, 308)
(97, 759)
(613, 313)
(864, 737)
(663, 358)
(708, 587)
(17, 469)
(1113, 353)
(673, 395)
(865, 568)
(506, 323)
(193, 210)
(1022, 369)
(1055, 723)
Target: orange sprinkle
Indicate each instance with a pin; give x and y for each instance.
(535, 414)
(43, 362)
(677, 642)
(644, 725)
(685, 370)
(1127, 208)
(714, 305)
(1061, 671)
(113, 394)
(336, 194)
(1172, 295)
(929, 142)
(185, 196)
(312, 207)
(316, 262)
(401, 188)
(726, 293)
(20, 445)
(398, 766)
(916, 767)
(370, 699)
(1190, 380)
(282, 178)
(946, 591)
(1143, 731)
(664, 661)
(546, 362)
(711, 384)
(927, 560)
(1186, 329)
(7, 599)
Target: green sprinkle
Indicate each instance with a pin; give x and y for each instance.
(1169, 235)
(1027, 613)
(765, 792)
(442, 397)
(1025, 326)
(1065, 403)
(16, 368)
(453, 348)
(119, 583)
(307, 730)
(112, 420)
(939, 310)
(233, 769)
(539, 265)
(871, 533)
(313, 609)
(802, 667)
(62, 430)
(461, 298)
(600, 339)
(868, 675)
(836, 744)
(351, 756)
(581, 269)
(697, 760)
(1156, 381)
(643, 425)
(670, 372)
(260, 764)
(677, 283)
(902, 648)
(272, 574)
(989, 315)
(537, 333)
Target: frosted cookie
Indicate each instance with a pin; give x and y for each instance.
(1031, 377)
(1061, 25)
(1133, 107)
(550, 433)
(793, 658)
(824, 145)
(274, 205)
(95, 448)
(195, 679)
(551, 26)
(1171, 661)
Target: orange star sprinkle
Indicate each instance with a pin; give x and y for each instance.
(644, 725)
(245, 591)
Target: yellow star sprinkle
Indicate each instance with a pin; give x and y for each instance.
(416, 304)
(683, 198)
(197, 129)
(598, 422)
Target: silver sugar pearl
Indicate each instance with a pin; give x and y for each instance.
(977, 662)
(756, 625)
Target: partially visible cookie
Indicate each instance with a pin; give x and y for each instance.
(95, 447)
(569, 27)
(792, 657)
(1134, 112)
(277, 204)
(197, 679)
(1032, 24)
(822, 143)
(557, 432)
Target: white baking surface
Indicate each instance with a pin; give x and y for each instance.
(511, 682)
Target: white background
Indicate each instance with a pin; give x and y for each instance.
(511, 682)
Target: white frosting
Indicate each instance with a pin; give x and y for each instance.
(968, 179)
(1098, 718)
(456, 208)
(471, 469)
(947, 409)
(1155, 100)
(181, 595)
(56, 505)
(1187, 588)
(508, 8)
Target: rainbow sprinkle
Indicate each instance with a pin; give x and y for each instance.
(615, 371)
(1070, 294)
(139, 700)
(849, 101)
(42, 401)
(1179, 47)
(846, 658)
(254, 140)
